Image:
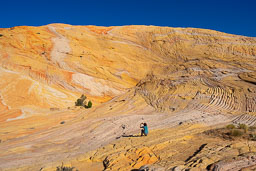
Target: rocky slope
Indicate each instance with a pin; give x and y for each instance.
(181, 81)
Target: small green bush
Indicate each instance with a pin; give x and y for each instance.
(252, 128)
(236, 133)
(64, 168)
(244, 127)
(83, 97)
(89, 104)
(230, 126)
(80, 101)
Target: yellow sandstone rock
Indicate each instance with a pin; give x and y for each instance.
(181, 81)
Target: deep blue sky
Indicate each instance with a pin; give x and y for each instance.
(230, 16)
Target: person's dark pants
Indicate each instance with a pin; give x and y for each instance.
(143, 133)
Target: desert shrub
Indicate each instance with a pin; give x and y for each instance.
(252, 128)
(83, 97)
(89, 105)
(64, 168)
(54, 109)
(253, 137)
(80, 101)
(236, 133)
(244, 127)
(230, 126)
(1, 35)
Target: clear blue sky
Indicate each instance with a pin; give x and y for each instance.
(230, 16)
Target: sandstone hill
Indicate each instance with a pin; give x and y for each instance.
(182, 81)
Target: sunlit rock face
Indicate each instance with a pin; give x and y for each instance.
(164, 76)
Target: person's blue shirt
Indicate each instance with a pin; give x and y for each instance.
(146, 129)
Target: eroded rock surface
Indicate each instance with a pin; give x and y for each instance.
(181, 81)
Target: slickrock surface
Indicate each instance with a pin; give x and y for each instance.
(181, 81)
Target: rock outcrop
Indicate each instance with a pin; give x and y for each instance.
(185, 80)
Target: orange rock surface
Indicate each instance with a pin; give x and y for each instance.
(171, 78)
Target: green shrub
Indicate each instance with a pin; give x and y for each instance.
(252, 128)
(89, 104)
(244, 127)
(64, 168)
(83, 97)
(80, 101)
(230, 126)
(1, 35)
(236, 133)
(254, 137)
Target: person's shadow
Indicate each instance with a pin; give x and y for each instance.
(131, 135)
(124, 135)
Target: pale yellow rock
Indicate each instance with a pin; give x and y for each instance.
(244, 149)
(253, 149)
(238, 145)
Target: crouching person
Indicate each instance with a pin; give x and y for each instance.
(144, 130)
